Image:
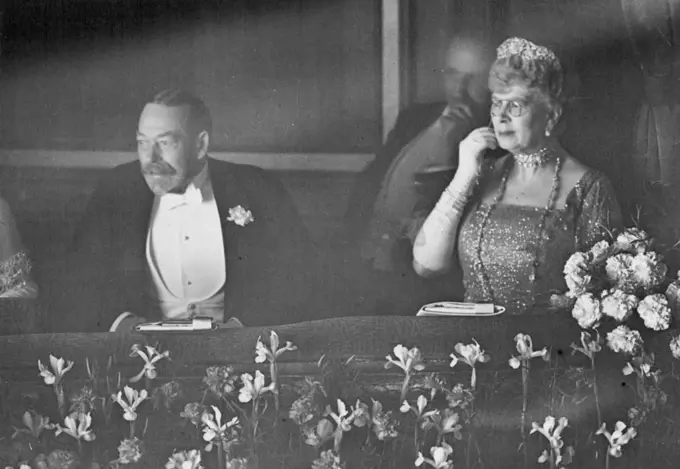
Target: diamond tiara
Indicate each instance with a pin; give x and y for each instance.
(527, 50)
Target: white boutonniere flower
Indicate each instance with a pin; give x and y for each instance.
(240, 216)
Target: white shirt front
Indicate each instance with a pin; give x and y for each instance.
(185, 252)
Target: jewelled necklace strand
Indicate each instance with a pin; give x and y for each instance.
(552, 198)
(533, 160)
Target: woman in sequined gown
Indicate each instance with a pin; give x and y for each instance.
(512, 223)
(15, 265)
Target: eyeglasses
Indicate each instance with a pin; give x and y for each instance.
(513, 108)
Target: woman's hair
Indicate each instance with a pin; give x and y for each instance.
(521, 62)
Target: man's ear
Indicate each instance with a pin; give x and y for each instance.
(202, 144)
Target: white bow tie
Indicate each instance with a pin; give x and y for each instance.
(192, 196)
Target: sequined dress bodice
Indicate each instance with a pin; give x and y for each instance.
(518, 269)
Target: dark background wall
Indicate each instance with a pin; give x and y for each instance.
(279, 76)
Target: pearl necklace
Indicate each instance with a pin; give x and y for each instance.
(552, 198)
(532, 160)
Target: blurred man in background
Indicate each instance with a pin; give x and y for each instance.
(410, 170)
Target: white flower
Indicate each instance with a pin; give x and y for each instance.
(587, 311)
(577, 273)
(319, 434)
(418, 409)
(642, 365)
(35, 424)
(361, 414)
(130, 451)
(440, 456)
(240, 216)
(328, 459)
(620, 272)
(79, 430)
(150, 357)
(252, 388)
(525, 347)
(384, 426)
(589, 347)
(618, 438)
(448, 422)
(600, 251)
(618, 304)
(134, 398)
(59, 369)
(675, 347)
(406, 359)
(624, 340)
(185, 460)
(469, 354)
(649, 270)
(552, 434)
(343, 420)
(237, 463)
(633, 240)
(262, 353)
(655, 312)
(213, 430)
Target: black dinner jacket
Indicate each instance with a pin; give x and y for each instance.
(410, 123)
(272, 264)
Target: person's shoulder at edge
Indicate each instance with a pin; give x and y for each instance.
(14, 258)
(5, 210)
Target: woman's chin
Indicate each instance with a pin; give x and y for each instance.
(507, 145)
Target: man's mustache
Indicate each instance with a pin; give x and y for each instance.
(158, 169)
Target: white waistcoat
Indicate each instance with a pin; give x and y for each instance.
(185, 253)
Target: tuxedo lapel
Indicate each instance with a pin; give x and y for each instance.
(229, 193)
(140, 204)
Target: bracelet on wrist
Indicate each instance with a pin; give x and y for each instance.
(454, 200)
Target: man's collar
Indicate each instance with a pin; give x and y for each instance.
(198, 190)
(201, 181)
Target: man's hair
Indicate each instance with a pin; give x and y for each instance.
(475, 39)
(199, 115)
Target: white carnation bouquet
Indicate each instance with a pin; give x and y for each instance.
(626, 280)
(618, 279)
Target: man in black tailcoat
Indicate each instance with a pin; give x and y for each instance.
(179, 234)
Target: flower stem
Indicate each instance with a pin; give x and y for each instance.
(61, 400)
(220, 456)
(469, 451)
(274, 375)
(404, 388)
(606, 460)
(552, 459)
(473, 379)
(255, 418)
(470, 414)
(525, 399)
(415, 436)
(595, 392)
(132, 429)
